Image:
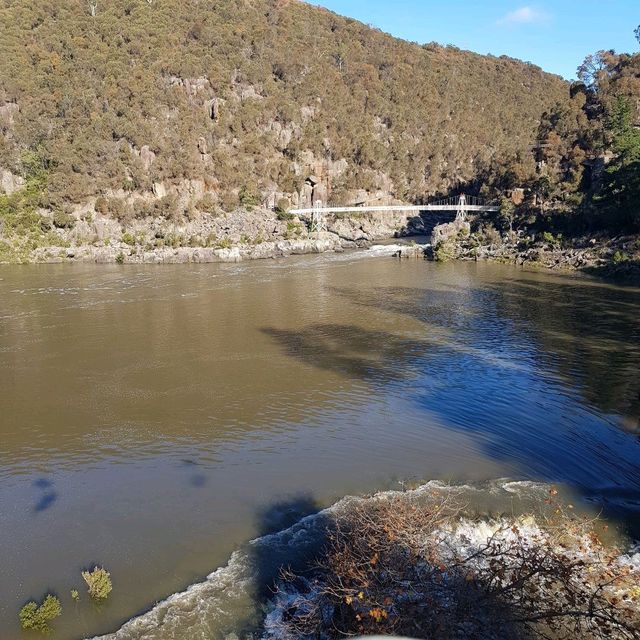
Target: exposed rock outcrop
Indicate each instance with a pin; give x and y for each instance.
(450, 231)
(242, 235)
(182, 255)
(8, 112)
(9, 182)
(618, 256)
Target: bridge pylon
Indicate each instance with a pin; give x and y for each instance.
(318, 218)
(461, 211)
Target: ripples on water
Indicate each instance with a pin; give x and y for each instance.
(150, 415)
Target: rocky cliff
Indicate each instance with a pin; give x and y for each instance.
(173, 110)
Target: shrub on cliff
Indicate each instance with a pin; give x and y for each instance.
(282, 210)
(207, 204)
(445, 250)
(248, 197)
(63, 220)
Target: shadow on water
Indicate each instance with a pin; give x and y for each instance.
(285, 540)
(627, 272)
(47, 495)
(592, 342)
(349, 350)
(195, 478)
(284, 514)
(45, 502)
(542, 375)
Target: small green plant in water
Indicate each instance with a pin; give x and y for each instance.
(37, 617)
(99, 583)
(75, 595)
(120, 258)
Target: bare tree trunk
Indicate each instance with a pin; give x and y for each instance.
(93, 7)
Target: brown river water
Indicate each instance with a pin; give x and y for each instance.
(155, 418)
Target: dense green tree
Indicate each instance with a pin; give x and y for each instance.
(626, 136)
(588, 150)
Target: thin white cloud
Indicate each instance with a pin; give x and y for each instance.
(524, 15)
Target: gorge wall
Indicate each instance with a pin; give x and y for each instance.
(174, 110)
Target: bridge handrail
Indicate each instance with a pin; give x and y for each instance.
(418, 207)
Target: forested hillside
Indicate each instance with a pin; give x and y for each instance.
(578, 205)
(588, 150)
(182, 107)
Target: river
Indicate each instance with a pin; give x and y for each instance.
(154, 418)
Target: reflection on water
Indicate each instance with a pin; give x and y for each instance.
(152, 416)
(589, 333)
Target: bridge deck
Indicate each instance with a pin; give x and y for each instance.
(417, 208)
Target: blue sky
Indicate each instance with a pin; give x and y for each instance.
(555, 35)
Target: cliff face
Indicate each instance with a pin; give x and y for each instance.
(177, 108)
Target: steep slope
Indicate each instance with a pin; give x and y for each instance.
(240, 101)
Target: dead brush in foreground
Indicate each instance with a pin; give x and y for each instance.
(393, 566)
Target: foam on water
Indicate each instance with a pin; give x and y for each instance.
(374, 251)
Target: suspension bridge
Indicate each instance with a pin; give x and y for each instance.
(461, 205)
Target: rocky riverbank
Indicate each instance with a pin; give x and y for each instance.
(612, 256)
(88, 236)
(180, 255)
(232, 237)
